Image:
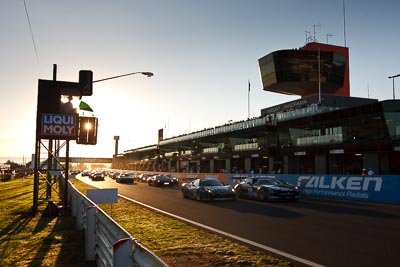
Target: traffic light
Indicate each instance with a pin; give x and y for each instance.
(87, 131)
(85, 82)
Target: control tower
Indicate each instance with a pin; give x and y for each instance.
(313, 69)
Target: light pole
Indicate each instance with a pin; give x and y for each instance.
(392, 77)
(146, 73)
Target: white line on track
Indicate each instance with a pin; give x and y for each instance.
(243, 240)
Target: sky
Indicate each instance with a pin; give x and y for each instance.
(203, 55)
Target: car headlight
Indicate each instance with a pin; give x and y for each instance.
(208, 190)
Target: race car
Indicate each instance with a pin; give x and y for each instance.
(127, 177)
(162, 180)
(207, 189)
(266, 188)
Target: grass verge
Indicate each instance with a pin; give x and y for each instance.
(27, 240)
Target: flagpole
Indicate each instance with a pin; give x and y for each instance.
(248, 102)
(319, 76)
(344, 24)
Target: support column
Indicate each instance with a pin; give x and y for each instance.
(320, 164)
(247, 165)
(270, 164)
(228, 165)
(285, 164)
(211, 165)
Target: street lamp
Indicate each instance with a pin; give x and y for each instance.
(145, 73)
(392, 77)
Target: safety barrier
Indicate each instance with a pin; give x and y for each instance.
(106, 242)
(371, 188)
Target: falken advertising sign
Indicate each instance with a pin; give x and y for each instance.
(375, 188)
(59, 126)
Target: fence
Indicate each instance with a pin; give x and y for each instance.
(106, 242)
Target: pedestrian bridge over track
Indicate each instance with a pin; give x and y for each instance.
(87, 160)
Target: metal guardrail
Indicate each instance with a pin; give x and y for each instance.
(106, 242)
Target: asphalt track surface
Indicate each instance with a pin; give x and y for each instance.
(326, 232)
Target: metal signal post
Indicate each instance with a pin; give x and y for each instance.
(60, 121)
(56, 121)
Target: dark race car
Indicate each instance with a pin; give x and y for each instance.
(143, 177)
(85, 173)
(207, 188)
(97, 176)
(162, 180)
(114, 175)
(128, 177)
(267, 189)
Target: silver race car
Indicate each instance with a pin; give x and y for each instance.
(266, 188)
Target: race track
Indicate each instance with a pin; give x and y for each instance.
(326, 232)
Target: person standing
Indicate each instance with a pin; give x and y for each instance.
(364, 172)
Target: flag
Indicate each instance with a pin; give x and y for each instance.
(249, 85)
(85, 106)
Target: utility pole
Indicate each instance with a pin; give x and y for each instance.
(393, 77)
(327, 37)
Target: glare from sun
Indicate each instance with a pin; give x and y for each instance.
(75, 102)
(64, 99)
